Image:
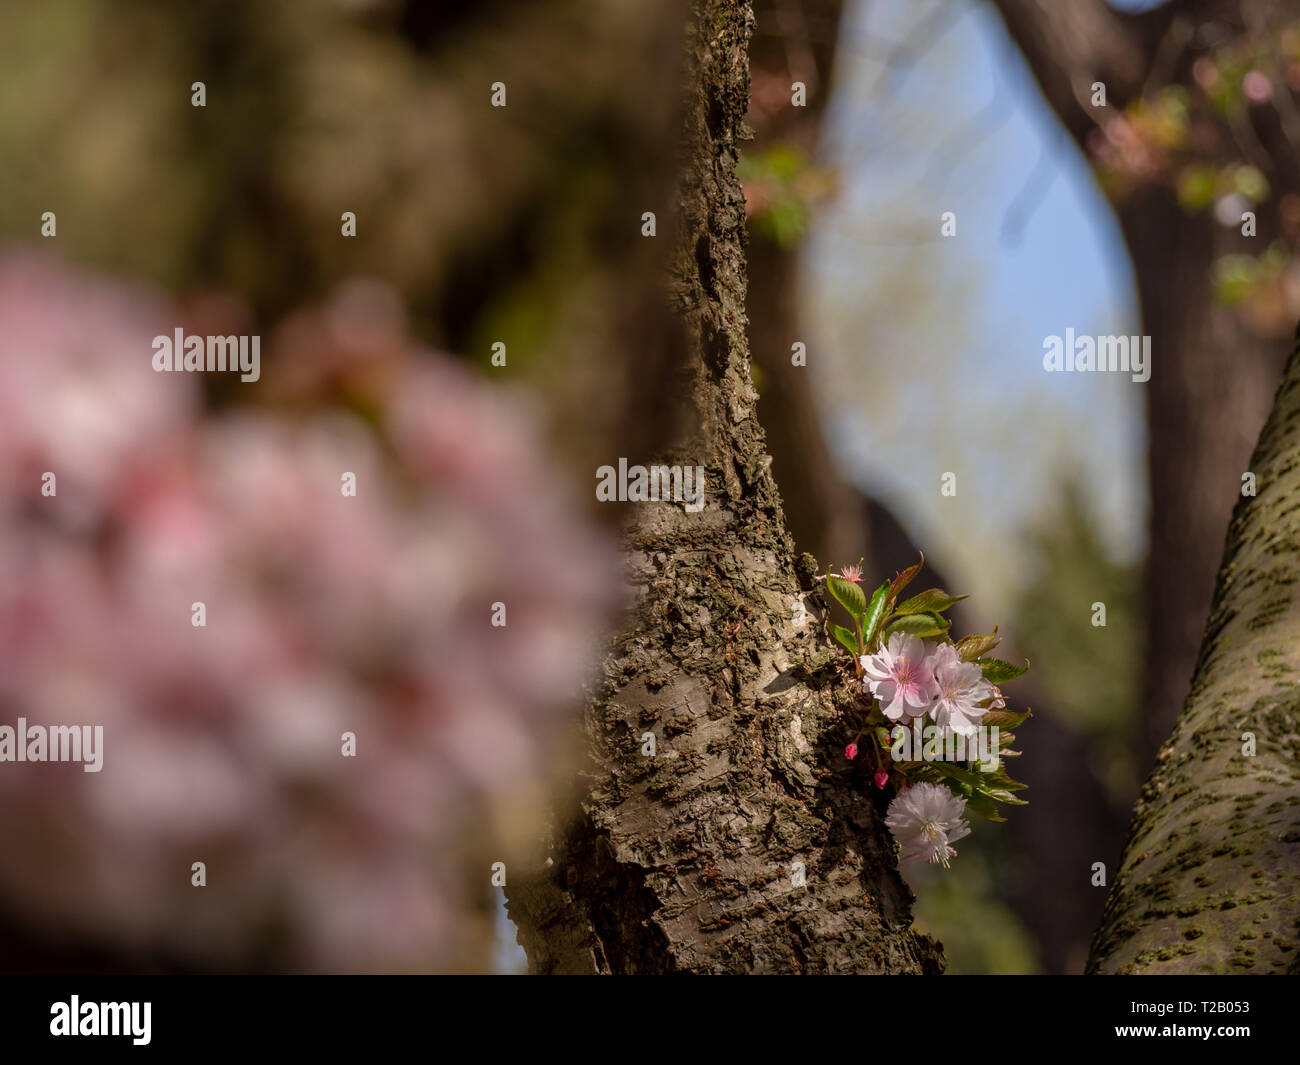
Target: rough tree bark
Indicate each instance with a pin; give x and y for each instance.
(686, 861)
(1212, 377)
(1210, 878)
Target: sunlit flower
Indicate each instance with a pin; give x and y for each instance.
(900, 676)
(959, 690)
(926, 819)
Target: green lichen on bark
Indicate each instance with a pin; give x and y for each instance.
(1210, 878)
(691, 860)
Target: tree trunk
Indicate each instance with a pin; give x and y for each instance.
(1210, 878)
(694, 859)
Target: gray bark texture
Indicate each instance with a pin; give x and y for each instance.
(689, 860)
(1210, 878)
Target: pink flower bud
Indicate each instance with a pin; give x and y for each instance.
(851, 751)
(882, 778)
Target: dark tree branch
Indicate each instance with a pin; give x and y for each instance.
(1070, 45)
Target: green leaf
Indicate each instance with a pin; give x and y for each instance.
(968, 780)
(999, 787)
(875, 614)
(1196, 188)
(999, 780)
(984, 806)
(847, 638)
(922, 625)
(935, 600)
(971, 647)
(998, 672)
(848, 595)
(905, 578)
(1005, 719)
(981, 790)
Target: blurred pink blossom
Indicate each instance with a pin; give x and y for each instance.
(325, 614)
(1257, 87)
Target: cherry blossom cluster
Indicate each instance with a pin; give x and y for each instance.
(912, 677)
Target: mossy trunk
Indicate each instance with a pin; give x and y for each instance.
(1210, 878)
(746, 843)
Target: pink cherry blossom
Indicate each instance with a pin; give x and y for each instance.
(926, 819)
(900, 675)
(960, 688)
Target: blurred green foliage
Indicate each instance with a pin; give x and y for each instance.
(1089, 674)
(781, 187)
(980, 934)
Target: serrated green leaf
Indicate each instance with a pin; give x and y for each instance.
(968, 779)
(934, 600)
(1000, 791)
(999, 780)
(848, 639)
(922, 625)
(848, 595)
(998, 672)
(875, 614)
(970, 648)
(984, 806)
